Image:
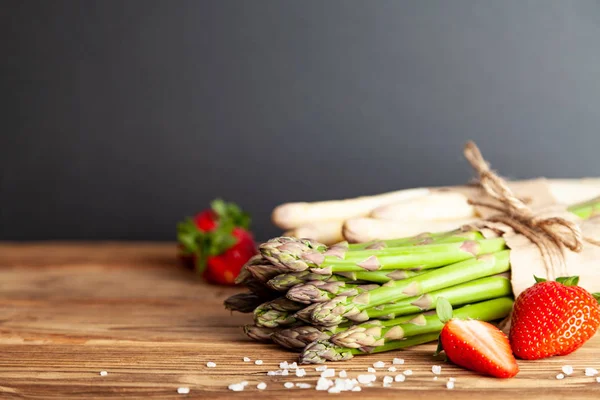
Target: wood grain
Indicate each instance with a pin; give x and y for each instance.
(69, 311)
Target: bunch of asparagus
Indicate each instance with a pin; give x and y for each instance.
(331, 303)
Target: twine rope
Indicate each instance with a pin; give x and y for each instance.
(550, 235)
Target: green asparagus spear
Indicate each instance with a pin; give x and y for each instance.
(334, 311)
(321, 351)
(320, 291)
(275, 313)
(373, 335)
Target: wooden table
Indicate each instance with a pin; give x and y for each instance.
(69, 311)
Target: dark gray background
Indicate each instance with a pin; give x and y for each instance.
(121, 117)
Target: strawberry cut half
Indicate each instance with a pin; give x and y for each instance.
(478, 346)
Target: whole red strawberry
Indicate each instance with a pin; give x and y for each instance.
(553, 318)
(217, 242)
(475, 345)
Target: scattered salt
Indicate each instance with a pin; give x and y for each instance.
(436, 369)
(284, 372)
(392, 369)
(388, 379)
(323, 384)
(261, 386)
(258, 362)
(321, 368)
(400, 378)
(284, 365)
(435, 378)
(293, 365)
(356, 389)
(408, 372)
(334, 389)
(398, 361)
(246, 359)
(371, 370)
(303, 385)
(288, 385)
(452, 379)
(103, 373)
(236, 387)
(211, 364)
(328, 373)
(598, 379)
(450, 385)
(567, 369)
(560, 376)
(591, 372)
(364, 379)
(379, 364)
(183, 390)
(300, 372)
(343, 374)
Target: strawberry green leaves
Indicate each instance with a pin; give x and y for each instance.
(444, 310)
(565, 280)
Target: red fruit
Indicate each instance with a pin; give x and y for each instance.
(553, 319)
(478, 346)
(224, 268)
(216, 242)
(206, 220)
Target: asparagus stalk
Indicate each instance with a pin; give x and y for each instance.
(296, 338)
(321, 351)
(334, 311)
(378, 276)
(275, 313)
(373, 335)
(470, 292)
(299, 256)
(259, 333)
(283, 282)
(586, 209)
(320, 291)
(244, 302)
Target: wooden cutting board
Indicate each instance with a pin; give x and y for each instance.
(69, 311)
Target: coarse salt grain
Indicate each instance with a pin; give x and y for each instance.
(356, 389)
(211, 364)
(293, 365)
(400, 378)
(303, 385)
(246, 359)
(392, 369)
(436, 369)
(452, 379)
(560, 376)
(284, 372)
(398, 361)
(598, 379)
(288, 385)
(258, 362)
(388, 379)
(365, 379)
(323, 384)
(371, 370)
(261, 386)
(334, 389)
(408, 372)
(328, 373)
(435, 378)
(236, 387)
(300, 372)
(103, 373)
(450, 385)
(183, 390)
(379, 364)
(321, 368)
(591, 372)
(567, 369)
(284, 365)
(343, 374)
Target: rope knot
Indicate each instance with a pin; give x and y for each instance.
(551, 235)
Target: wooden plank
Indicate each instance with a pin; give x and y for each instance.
(69, 311)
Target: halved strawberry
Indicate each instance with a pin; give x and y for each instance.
(476, 345)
